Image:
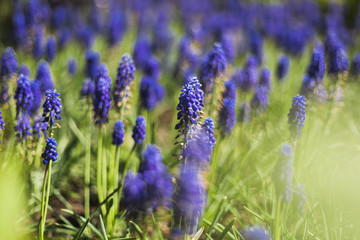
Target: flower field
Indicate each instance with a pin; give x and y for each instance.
(178, 120)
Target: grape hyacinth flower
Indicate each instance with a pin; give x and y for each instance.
(208, 127)
(118, 134)
(338, 61)
(227, 115)
(88, 88)
(190, 106)
(151, 67)
(227, 42)
(265, 79)
(255, 233)
(256, 45)
(246, 79)
(92, 60)
(51, 48)
(296, 116)
(44, 77)
(355, 66)
(50, 153)
(151, 92)
(142, 50)
(23, 127)
(213, 66)
(308, 86)
(38, 127)
(2, 123)
(52, 107)
(159, 185)
(64, 37)
(316, 69)
(282, 67)
(134, 192)
(139, 130)
(9, 63)
(38, 48)
(299, 198)
(72, 66)
(23, 95)
(24, 70)
(283, 173)
(102, 99)
(190, 199)
(116, 26)
(125, 77)
(260, 100)
(20, 29)
(36, 104)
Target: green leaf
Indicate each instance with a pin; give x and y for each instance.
(226, 230)
(103, 228)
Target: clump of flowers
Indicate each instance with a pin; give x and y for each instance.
(23, 95)
(118, 134)
(8, 68)
(102, 98)
(227, 115)
(50, 153)
(282, 67)
(52, 107)
(23, 127)
(44, 77)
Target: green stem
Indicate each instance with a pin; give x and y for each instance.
(99, 171)
(87, 170)
(111, 179)
(45, 199)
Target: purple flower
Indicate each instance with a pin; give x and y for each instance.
(72, 66)
(134, 192)
(50, 153)
(59, 17)
(142, 51)
(52, 107)
(227, 42)
(20, 29)
(118, 134)
(213, 66)
(190, 106)
(282, 67)
(299, 198)
(227, 115)
(88, 88)
(256, 45)
(23, 127)
(283, 174)
(296, 116)
(36, 104)
(44, 77)
(115, 26)
(38, 127)
(23, 95)
(190, 199)
(208, 127)
(245, 113)
(247, 78)
(316, 68)
(139, 130)
(92, 60)
(151, 93)
(2, 123)
(9, 63)
(38, 48)
(338, 61)
(51, 48)
(64, 37)
(125, 76)
(265, 79)
(151, 67)
(255, 233)
(24, 69)
(102, 99)
(308, 86)
(260, 100)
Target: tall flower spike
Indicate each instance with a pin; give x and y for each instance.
(151, 92)
(134, 192)
(282, 67)
(24, 69)
(50, 153)
(51, 48)
(38, 48)
(260, 100)
(72, 66)
(227, 116)
(213, 66)
(23, 95)
(316, 68)
(208, 127)
(9, 63)
(92, 60)
(23, 127)
(38, 127)
(283, 174)
(296, 116)
(52, 107)
(36, 104)
(2, 123)
(118, 134)
(88, 88)
(102, 99)
(139, 130)
(44, 77)
(190, 106)
(125, 76)
(190, 199)
(265, 79)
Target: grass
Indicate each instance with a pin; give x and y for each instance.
(240, 189)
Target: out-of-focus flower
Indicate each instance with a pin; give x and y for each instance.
(44, 77)
(151, 93)
(255, 233)
(23, 95)
(72, 66)
(282, 67)
(227, 115)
